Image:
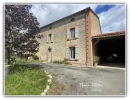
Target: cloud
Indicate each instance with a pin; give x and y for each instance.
(113, 19)
(110, 20)
(48, 13)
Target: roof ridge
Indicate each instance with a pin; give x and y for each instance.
(88, 8)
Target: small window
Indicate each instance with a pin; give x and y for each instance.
(72, 33)
(50, 37)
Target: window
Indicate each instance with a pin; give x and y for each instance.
(49, 38)
(72, 53)
(72, 33)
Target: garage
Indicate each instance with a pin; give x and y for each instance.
(110, 48)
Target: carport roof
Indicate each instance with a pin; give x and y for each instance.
(121, 33)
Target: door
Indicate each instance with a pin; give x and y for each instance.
(49, 55)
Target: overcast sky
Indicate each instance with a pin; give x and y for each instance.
(112, 17)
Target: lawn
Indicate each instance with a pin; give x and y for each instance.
(25, 80)
(23, 61)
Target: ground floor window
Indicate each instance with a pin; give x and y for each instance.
(72, 53)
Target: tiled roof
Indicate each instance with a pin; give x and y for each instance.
(109, 34)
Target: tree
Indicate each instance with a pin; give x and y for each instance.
(21, 31)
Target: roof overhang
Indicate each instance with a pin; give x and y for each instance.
(113, 35)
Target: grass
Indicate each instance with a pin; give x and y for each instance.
(25, 80)
(23, 61)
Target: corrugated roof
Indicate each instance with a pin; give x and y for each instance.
(109, 34)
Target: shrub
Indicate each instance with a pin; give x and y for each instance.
(56, 61)
(22, 68)
(35, 57)
(96, 59)
(65, 61)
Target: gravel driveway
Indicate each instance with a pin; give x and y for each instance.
(88, 80)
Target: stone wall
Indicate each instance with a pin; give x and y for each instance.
(60, 42)
(88, 25)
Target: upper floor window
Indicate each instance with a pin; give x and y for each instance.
(50, 38)
(72, 33)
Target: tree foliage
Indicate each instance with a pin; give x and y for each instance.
(21, 31)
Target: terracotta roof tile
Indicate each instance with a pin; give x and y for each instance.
(109, 34)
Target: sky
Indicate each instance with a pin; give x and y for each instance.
(112, 16)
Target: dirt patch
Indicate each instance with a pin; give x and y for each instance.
(73, 87)
(56, 88)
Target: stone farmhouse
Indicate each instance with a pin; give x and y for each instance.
(72, 37)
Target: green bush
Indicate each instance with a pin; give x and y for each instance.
(56, 61)
(96, 59)
(22, 67)
(24, 61)
(35, 57)
(61, 62)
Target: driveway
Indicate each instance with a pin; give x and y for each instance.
(89, 80)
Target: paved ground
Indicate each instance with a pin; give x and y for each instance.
(88, 80)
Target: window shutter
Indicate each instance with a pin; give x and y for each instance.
(68, 31)
(47, 38)
(67, 51)
(76, 53)
(52, 36)
(76, 32)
